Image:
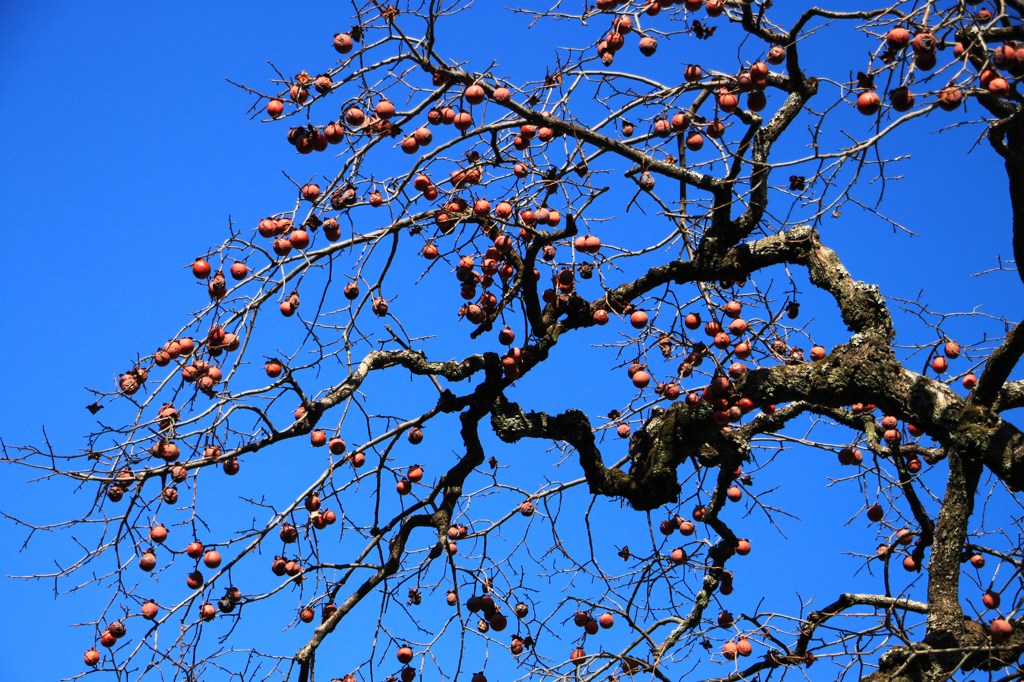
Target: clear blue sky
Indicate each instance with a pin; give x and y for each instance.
(126, 153)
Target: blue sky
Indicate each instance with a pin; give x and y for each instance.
(127, 154)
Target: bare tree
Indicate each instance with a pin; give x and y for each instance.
(681, 206)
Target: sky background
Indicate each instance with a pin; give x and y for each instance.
(126, 153)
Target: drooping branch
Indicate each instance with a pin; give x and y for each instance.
(511, 423)
(449, 487)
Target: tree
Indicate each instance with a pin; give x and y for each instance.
(417, 357)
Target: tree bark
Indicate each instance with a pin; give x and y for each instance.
(1015, 175)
